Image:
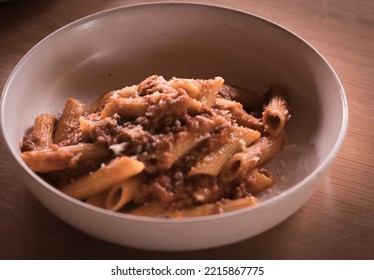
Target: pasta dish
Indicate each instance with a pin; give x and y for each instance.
(162, 148)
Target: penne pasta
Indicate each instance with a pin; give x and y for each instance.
(183, 143)
(126, 92)
(149, 209)
(122, 194)
(213, 163)
(203, 90)
(226, 104)
(156, 209)
(276, 112)
(43, 130)
(59, 158)
(209, 90)
(258, 180)
(69, 121)
(100, 102)
(186, 84)
(247, 120)
(177, 146)
(253, 156)
(222, 206)
(98, 200)
(125, 107)
(86, 126)
(240, 115)
(117, 171)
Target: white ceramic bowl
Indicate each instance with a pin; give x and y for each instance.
(120, 47)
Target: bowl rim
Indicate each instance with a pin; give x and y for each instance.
(117, 215)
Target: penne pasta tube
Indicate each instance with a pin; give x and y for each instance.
(43, 130)
(60, 158)
(126, 92)
(258, 180)
(181, 144)
(226, 104)
(241, 116)
(69, 120)
(120, 195)
(155, 208)
(149, 209)
(117, 171)
(247, 120)
(213, 163)
(194, 106)
(187, 84)
(209, 90)
(125, 107)
(203, 90)
(253, 156)
(86, 126)
(178, 146)
(100, 102)
(98, 200)
(222, 206)
(276, 112)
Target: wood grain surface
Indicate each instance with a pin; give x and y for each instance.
(336, 223)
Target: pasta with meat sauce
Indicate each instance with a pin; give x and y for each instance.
(165, 148)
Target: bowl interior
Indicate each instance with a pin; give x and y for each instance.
(123, 46)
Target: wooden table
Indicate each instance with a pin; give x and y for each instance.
(336, 223)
